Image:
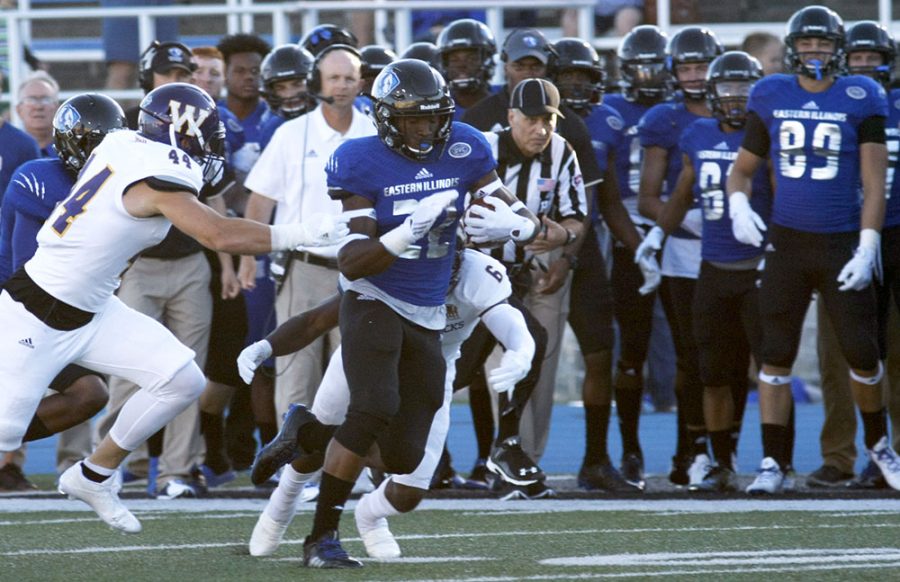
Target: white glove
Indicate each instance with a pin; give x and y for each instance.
(652, 276)
(320, 230)
(498, 224)
(693, 222)
(513, 367)
(418, 223)
(746, 225)
(251, 357)
(857, 273)
(650, 245)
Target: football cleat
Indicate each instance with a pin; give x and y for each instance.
(869, 478)
(284, 447)
(790, 479)
(718, 480)
(102, 497)
(679, 473)
(13, 479)
(445, 476)
(700, 466)
(886, 459)
(327, 552)
(769, 479)
(604, 476)
(214, 479)
(378, 539)
(480, 477)
(633, 470)
(509, 462)
(267, 535)
(177, 489)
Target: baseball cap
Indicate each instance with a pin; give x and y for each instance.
(535, 97)
(526, 42)
(172, 55)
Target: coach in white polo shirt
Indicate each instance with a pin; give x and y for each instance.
(289, 177)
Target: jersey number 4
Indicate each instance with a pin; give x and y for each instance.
(76, 204)
(826, 142)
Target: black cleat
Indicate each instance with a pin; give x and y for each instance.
(284, 448)
(718, 480)
(327, 552)
(679, 473)
(445, 476)
(509, 462)
(604, 476)
(633, 470)
(480, 477)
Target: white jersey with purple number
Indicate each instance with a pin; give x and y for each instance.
(88, 240)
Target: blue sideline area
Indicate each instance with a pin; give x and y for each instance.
(566, 445)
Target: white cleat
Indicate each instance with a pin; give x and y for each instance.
(884, 456)
(698, 470)
(378, 539)
(102, 497)
(267, 535)
(769, 479)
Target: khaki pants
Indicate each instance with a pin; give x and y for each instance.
(176, 293)
(72, 445)
(298, 375)
(552, 311)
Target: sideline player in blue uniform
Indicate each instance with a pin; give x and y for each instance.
(37, 186)
(826, 138)
(726, 311)
(689, 53)
(407, 187)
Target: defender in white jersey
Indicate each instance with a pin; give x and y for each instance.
(480, 292)
(60, 308)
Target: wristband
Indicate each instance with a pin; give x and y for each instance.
(396, 240)
(869, 238)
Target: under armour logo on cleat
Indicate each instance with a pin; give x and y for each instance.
(423, 174)
(26, 342)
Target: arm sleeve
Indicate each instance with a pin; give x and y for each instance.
(756, 138)
(507, 324)
(871, 130)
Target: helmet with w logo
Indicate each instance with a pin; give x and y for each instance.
(185, 117)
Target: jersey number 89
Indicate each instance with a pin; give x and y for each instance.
(826, 142)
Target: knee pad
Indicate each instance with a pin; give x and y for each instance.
(871, 380)
(360, 431)
(774, 379)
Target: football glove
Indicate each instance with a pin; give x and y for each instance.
(746, 225)
(320, 230)
(650, 245)
(857, 273)
(497, 222)
(513, 367)
(418, 223)
(652, 275)
(251, 357)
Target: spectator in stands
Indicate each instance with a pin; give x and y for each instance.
(38, 100)
(768, 49)
(611, 17)
(120, 40)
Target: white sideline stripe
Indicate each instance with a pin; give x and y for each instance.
(763, 557)
(409, 560)
(645, 574)
(144, 517)
(182, 506)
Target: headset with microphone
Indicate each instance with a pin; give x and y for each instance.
(145, 70)
(314, 77)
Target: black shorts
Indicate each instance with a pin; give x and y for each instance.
(227, 334)
(395, 371)
(889, 289)
(68, 375)
(590, 302)
(726, 322)
(797, 264)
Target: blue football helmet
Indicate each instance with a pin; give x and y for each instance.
(186, 117)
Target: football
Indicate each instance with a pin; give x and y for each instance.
(473, 210)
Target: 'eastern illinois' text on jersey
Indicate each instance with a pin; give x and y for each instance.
(814, 146)
(712, 153)
(395, 184)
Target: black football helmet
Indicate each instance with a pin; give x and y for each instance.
(186, 117)
(868, 35)
(374, 58)
(81, 123)
(692, 45)
(642, 65)
(728, 83)
(284, 63)
(574, 54)
(468, 34)
(814, 22)
(423, 51)
(407, 88)
(326, 35)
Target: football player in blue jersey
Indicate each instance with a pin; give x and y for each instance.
(689, 53)
(282, 78)
(467, 49)
(825, 135)
(404, 190)
(725, 298)
(870, 50)
(79, 125)
(645, 82)
(578, 75)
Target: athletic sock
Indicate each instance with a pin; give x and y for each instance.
(773, 442)
(628, 393)
(375, 506)
(482, 415)
(509, 422)
(283, 502)
(94, 472)
(596, 427)
(699, 442)
(333, 494)
(874, 427)
(722, 447)
(212, 427)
